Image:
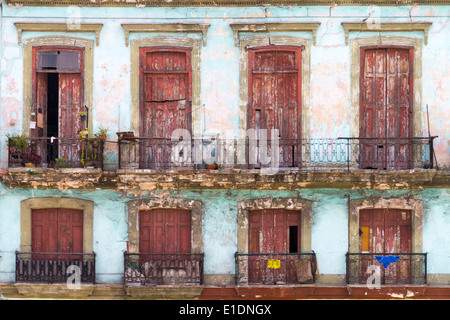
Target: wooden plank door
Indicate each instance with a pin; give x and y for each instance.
(70, 124)
(274, 100)
(165, 231)
(67, 63)
(386, 108)
(165, 95)
(269, 234)
(56, 231)
(386, 231)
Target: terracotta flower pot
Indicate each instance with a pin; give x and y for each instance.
(211, 166)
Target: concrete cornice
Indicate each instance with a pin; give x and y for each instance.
(219, 3)
(58, 27)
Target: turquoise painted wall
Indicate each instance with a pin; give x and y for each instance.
(329, 116)
(219, 226)
(330, 64)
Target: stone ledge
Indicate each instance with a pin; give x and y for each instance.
(164, 292)
(80, 178)
(53, 290)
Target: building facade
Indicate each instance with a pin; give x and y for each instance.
(281, 149)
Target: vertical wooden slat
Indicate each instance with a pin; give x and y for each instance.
(165, 96)
(386, 107)
(274, 92)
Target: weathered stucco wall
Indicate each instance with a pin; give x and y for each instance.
(329, 110)
(219, 226)
(329, 116)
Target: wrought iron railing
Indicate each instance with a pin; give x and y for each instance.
(275, 268)
(53, 267)
(163, 269)
(410, 268)
(390, 153)
(55, 152)
(306, 154)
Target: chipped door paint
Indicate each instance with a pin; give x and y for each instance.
(70, 87)
(269, 233)
(386, 107)
(274, 100)
(71, 97)
(165, 100)
(390, 232)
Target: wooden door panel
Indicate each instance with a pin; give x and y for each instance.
(269, 235)
(165, 231)
(390, 231)
(57, 231)
(386, 107)
(165, 105)
(274, 99)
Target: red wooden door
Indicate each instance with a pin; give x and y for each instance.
(67, 63)
(165, 231)
(386, 231)
(274, 99)
(70, 124)
(386, 107)
(270, 233)
(165, 96)
(57, 231)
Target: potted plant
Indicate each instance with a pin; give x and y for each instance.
(82, 115)
(17, 143)
(61, 163)
(32, 159)
(84, 133)
(103, 133)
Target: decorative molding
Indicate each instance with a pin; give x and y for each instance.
(58, 27)
(26, 207)
(135, 206)
(274, 27)
(386, 27)
(159, 41)
(217, 3)
(247, 43)
(165, 27)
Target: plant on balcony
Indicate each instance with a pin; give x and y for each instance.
(32, 159)
(103, 133)
(17, 143)
(61, 163)
(84, 133)
(82, 115)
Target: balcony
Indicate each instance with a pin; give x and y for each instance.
(51, 267)
(275, 268)
(343, 154)
(55, 152)
(144, 269)
(411, 268)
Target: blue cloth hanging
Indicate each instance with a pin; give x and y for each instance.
(386, 260)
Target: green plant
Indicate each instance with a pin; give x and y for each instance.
(102, 131)
(61, 163)
(17, 141)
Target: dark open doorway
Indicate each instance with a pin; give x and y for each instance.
(52, 115)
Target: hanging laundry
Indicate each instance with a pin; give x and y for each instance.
(386, 260)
